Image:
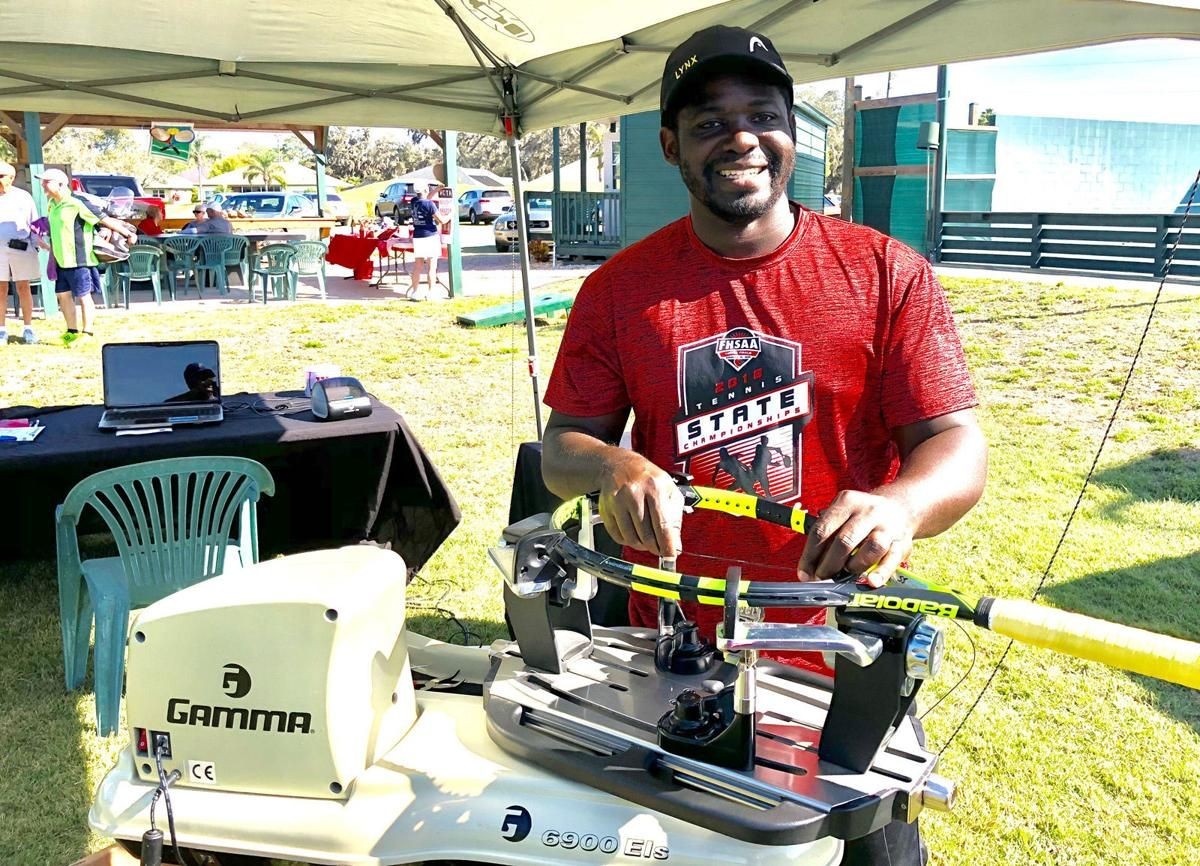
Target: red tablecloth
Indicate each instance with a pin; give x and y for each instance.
(351, 251)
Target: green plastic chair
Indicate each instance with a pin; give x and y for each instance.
(183, 254)
(237, 255)
(212, 260)
(171, 521)
(275, 264)
(144, 264)
(310, 262)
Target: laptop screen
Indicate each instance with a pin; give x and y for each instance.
(149, 374)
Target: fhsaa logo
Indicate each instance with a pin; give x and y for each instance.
(738, 347)
(517, 824)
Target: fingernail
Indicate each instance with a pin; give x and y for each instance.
(803, 576)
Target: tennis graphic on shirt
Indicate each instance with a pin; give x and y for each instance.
(744, 402)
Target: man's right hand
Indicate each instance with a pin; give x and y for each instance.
(639, 503)
(641, 506)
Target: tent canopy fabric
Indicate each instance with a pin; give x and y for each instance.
(464, 64)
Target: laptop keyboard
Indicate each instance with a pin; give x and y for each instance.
(141, 416)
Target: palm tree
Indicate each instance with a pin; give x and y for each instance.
(202, 157)
(264, 164)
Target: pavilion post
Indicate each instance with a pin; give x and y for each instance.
(450, 172)
(34, 158)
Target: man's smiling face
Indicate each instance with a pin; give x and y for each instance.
(734, 147)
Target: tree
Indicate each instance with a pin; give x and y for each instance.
(203, 158)
(987, 117)
(832, 104)
(355, 154)
(264, 164)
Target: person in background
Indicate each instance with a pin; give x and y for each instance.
(750, 317)
(151, 226)
(72, 227)
(216, 224)
(199, 215)
(427, 220)
(18, 250)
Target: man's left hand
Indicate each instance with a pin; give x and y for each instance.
(862, 533)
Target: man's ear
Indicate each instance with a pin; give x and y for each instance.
(669, 142)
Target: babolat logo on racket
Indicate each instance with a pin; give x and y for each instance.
(738, 347)
(905, 605)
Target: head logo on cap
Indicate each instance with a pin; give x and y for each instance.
(754, 40)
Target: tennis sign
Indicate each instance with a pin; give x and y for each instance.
(172, 140)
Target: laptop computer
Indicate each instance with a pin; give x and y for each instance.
(161, 384)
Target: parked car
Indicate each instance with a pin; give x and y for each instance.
(102, 185)
(483, 205)
(833, 204)
(269, 205)
(396, 201)
(334, 206)
(538, 221)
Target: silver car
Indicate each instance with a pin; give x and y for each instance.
(539, 217)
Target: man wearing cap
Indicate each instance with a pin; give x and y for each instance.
(753, 322)
(18, 249)
(216, 224)
(199, 215)
(72, 225)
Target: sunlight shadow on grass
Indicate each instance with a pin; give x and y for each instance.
(44, 739)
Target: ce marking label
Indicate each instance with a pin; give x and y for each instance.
(202, 772)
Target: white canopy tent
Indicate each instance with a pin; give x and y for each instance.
(490, 67)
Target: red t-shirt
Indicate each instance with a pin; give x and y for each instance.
(783, 376)
(149, 228)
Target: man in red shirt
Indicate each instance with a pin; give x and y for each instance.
(765, 348)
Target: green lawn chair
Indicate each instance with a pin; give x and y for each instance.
(183, 253)
(275, 264)
(237, 255)
(310, 262)
(144, 264)
(212, 260)
(171, 521)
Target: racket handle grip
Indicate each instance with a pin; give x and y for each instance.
(1121, 646)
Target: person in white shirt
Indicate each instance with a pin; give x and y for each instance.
(18, 250)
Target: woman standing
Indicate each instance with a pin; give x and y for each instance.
(427, 220)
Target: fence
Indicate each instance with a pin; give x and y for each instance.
(1121, 243)
(587, 219)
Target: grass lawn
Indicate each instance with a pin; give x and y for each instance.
(1063, 762)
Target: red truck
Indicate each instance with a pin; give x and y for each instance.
(102, 185)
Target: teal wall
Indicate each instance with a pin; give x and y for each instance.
(893, 204)
(652, 193)
(970, 169)
(1062, 164)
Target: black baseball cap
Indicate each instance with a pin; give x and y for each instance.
(729, 46)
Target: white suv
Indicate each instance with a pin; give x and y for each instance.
(483, 205)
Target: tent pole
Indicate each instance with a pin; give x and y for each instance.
(514, 156)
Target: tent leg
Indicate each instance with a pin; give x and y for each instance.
(514, 155)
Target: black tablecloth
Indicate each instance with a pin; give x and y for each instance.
(336, 482)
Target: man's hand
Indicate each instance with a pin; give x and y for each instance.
(641, 506)
(639, 503)
(863, 533)
(943, 463)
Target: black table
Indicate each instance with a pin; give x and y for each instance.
(339, 482)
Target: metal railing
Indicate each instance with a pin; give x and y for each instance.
(1114, 243)
(587, 219)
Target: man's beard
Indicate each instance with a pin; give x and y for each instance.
(744, 208)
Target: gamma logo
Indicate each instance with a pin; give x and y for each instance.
(237, 681)
(517, 824)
